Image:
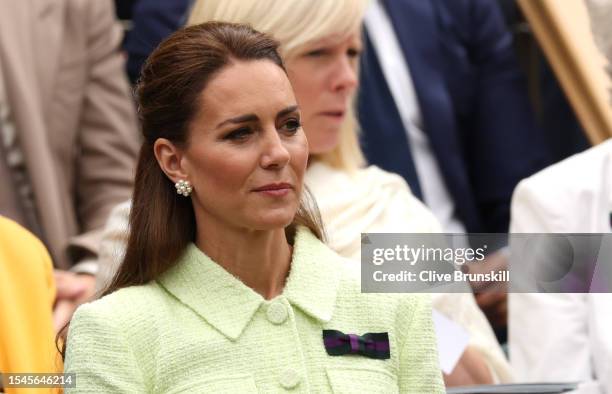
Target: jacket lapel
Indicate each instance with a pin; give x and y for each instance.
(386, 143)
(412, 19)
(417, 25)
(314, 279)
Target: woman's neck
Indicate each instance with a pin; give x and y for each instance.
(260, 259)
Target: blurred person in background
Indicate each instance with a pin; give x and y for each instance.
(321, 44)
(152, 21)
(229, 279)
(443, 103)
(563, 134)
(27, 293)
(566, 336)
(125, 8)
(68, 132)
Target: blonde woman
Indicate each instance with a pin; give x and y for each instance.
(320, 43)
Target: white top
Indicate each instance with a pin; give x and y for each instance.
(564, 337)
(370, 200)
(397, 74)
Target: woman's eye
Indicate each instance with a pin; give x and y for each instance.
(238, 134)
(353, 52)
(316, 53)
(292, 125)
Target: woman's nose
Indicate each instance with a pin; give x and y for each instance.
(275, 154)
(344, 75)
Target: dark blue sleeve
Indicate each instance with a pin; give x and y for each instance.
(501, 141)
(152, 22)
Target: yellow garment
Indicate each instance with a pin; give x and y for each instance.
(27, 292)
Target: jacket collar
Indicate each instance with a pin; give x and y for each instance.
(229, 305)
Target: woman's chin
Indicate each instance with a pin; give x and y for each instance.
(323, 147)
(273, 222)
(323, 143)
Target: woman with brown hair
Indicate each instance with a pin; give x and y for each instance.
(320, 42)
(225, 285)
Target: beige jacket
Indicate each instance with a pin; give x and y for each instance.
(72, 108)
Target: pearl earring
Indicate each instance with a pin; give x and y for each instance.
(183, 187)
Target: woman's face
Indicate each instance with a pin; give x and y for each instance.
(324, 77)
(246, 154)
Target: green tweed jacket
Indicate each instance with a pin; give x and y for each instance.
(198, 329)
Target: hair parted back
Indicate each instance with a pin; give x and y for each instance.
(162, 223)
(168, 92)
(296, 24)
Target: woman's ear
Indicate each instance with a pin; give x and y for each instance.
(169, 157)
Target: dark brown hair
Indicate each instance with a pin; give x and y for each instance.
(162, 223)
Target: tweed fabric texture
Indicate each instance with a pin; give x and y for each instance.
(200, 329)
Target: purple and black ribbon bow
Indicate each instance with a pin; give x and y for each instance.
(373, 345)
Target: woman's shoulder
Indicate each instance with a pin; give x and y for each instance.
(374, 178)
(124, 305)
(323, 173)
(376, 174)
(325, 181)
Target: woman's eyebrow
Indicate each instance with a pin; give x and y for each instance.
(239, 119)
(287, 111)
(253, 117)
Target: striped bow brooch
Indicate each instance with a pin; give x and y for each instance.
(373, 345)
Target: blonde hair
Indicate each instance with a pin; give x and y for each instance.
(296, 24)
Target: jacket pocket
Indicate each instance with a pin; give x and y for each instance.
(239, 383)
(361, 380)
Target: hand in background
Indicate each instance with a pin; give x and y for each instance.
(470, 370)
(72, 290)
(495, 307)
(492, 298)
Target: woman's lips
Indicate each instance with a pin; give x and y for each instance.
(334, 115)
(274, 189)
